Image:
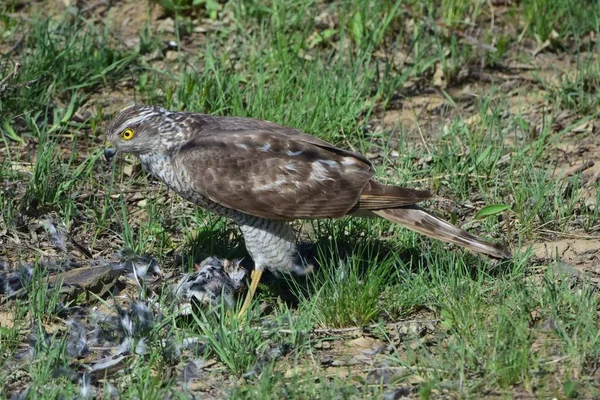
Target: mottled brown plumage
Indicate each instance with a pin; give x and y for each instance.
(261, 175)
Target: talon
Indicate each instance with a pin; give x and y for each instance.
(255, 279)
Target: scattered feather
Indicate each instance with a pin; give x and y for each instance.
(87, 390)
(124, 347)
(141, 347)
(111, 390)
(138, 266)
(13, 281)
(173, 349)
(22, 395)
(57, 235)
(107, 366)
(77, 343)
(192, 370)
(143, 315)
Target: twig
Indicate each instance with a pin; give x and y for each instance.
(81, 248)
(13, 295)
(419, 128)
(12, 75)
(468, 38)
(586, 165)
(361, 328)
(92, 6)
(569, 235)
(15, 46)
(493, 19)
(4, 86)
(447, 176)
(24, 84)
(101, 193)
(557, 360)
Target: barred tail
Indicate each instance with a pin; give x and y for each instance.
(417, 219)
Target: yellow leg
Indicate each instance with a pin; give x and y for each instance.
(254, 280)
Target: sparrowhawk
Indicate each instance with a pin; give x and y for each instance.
(262, 175)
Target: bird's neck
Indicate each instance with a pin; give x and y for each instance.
(158, 165)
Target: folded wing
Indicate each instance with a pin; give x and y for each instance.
(273, 175)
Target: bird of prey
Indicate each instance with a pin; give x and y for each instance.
(262, 176)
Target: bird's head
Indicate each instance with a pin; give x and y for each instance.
(135, 130)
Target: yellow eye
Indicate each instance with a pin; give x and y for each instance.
(127, 134)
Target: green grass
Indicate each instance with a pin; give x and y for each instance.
(510, 351)
(578, 91)
(505, 329)
(543, 17)
(349, 290)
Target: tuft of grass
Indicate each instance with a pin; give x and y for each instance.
(346, 290)
(54, 179)
(234, 343)
(488, 335)
(544, 16)
(580, 92)
(66, 57)
(209, 8)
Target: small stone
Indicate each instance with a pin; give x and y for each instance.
(167, 25)
(413, 329)
(324, 345)
(403, 330)
(290, 373)
(172, 55)
(415, 380)
(345, 363)
(363, 342)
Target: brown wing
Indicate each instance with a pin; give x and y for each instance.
(272, 174)
(203, 124)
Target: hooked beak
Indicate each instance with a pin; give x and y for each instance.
(109, 152)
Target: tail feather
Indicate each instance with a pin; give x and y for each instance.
(419, 220)
(376, 196)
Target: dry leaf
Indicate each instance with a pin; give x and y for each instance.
(439, 77)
